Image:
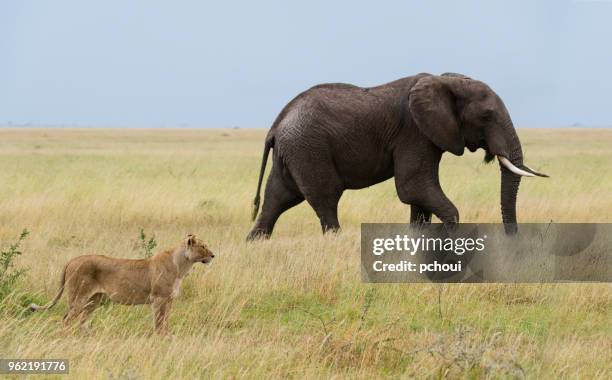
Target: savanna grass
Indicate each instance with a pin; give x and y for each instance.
(293, 306)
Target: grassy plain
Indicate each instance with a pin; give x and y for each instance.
(293, 306)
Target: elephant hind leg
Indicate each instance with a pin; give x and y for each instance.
(326, 207)
(323, 195)
(319, 182)
(279, 197)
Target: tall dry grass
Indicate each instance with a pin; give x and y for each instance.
(293, 306)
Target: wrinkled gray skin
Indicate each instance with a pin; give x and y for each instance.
(334, 137)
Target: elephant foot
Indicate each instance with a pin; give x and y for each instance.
(331, 230)
(258, 234)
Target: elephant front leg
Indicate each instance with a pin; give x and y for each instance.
(443, 208)
(419, 215)
(428, 195)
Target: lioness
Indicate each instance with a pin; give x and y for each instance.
(154, 281)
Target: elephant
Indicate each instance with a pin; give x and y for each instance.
(333, 137)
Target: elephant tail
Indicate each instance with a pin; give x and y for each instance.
(267, 147)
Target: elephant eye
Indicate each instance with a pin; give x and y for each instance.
(486, 116)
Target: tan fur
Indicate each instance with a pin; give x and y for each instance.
(155, 281)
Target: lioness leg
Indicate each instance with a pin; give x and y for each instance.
(76, 309)
(161, 310)
(80, 306)
(90, 306)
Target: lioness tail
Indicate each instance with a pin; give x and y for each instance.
(35, 307)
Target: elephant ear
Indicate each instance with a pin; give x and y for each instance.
(455, 75)
(432, 105)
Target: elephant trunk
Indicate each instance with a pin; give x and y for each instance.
(504, 143)
(507, 147)
(509, 189)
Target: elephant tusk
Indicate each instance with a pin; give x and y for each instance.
(534, 172)
(504, 161)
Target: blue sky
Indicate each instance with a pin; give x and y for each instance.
(191, 63)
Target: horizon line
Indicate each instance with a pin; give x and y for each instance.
(237, 127)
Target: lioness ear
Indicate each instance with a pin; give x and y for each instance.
(190, 240)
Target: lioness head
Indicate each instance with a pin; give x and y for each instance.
(197, 251)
